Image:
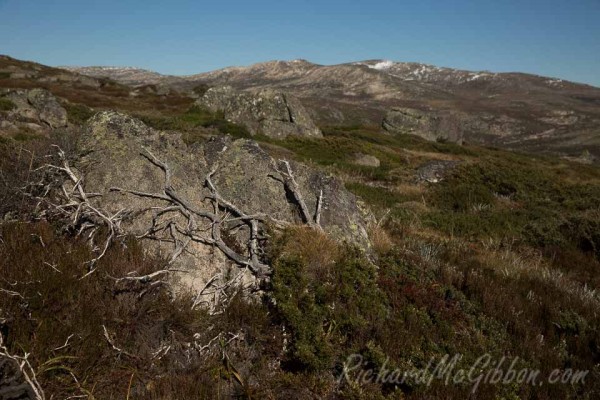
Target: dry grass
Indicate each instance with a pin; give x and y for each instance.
(316, 249)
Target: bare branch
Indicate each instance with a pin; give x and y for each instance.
(25, 368)
(292, 186)
(112, 344)
(319, 205)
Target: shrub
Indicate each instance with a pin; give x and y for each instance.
(78, 113)
(375, 196)
(6, 104)
(322, 308)
(196, 117)
(63, 320)
(201, 89)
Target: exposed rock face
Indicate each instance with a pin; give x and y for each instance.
(112, 152)
(249, 175)
(268, 112)
(429, 125)
(435, 171)
(454, 127)
(366, 160)
(35, 109)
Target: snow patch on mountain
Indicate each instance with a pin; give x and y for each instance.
(383, 65)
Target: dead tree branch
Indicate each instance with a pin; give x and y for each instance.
(25, 369)
(199, 225)
(112, 344)
(292, 187)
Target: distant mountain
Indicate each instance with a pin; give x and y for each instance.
(126, 75)
(512, 110)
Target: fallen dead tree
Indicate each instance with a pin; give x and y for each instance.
(175, 220)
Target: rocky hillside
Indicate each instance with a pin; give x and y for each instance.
(511, 110)
(153, 245)
(125, 75)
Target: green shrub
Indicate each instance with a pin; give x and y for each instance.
(375, 196)
(25, 135)
(6, 104)
(321, 305)
(78, 113)
(299, 308)
(201, 89)
(196, 117)
(542, 209)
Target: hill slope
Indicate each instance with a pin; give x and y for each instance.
(475, 252)
(510, 110)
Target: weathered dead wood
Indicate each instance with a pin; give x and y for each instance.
(25, 368)
(111, 342)
(293, 188)
(200, 225)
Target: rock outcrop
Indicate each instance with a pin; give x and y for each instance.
(223, 182)
(35, 109)
(430, 125)
(453, 126)
(271, 113)
(436, 170)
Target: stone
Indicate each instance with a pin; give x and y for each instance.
(435, 171)
(428, 124)
(110, 155)
(6, 126)
(34, 106)
(268, 112)
(49, 109)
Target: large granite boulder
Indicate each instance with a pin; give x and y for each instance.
(35, 109)
(114, 161)
(428, 124)
(268, 112)
(454, 126)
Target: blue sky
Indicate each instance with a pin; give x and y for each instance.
(553, 38)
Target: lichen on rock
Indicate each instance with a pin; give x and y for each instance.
(268, 112)
(35, 109)
(113, 159)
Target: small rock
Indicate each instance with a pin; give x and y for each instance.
(6, 126)
(435, 171)
(49, 109)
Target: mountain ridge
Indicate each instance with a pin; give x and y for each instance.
(515, 111)
(512, 110)
(377, 64)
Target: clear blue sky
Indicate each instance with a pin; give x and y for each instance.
(550, 37)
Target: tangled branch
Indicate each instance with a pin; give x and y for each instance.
(25, 369)
(200, 226)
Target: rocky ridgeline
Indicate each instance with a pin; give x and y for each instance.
(268, 112)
